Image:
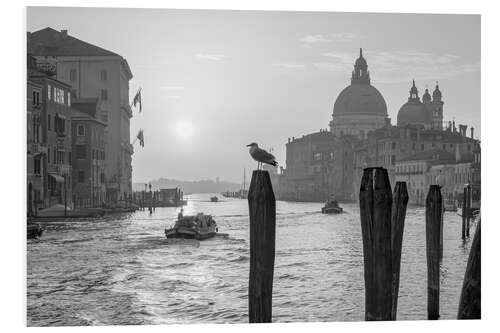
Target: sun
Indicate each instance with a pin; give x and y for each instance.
(184, 130)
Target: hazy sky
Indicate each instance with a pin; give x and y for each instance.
(214, 81)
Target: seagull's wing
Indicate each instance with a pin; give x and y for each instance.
(263, 156)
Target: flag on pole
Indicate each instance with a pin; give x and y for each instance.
(137, 99)
(140, 137)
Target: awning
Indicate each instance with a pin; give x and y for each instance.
(57, 178)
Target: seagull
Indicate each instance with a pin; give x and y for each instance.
(261, 156)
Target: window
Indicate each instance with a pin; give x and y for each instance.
(37, 166)
(72, 75)
(104, 94)
(48, 155)
(69, 157)
(49, 92)
(422, 146)
(104, 75)
(393, 159)
(80, 130)
(317, 156)
(69, 99)
(59, 125)
(36, 98)
(73, 93)
(104, 118)
(394, 145)
(55, 156)
(413, 146)
(81, 176)
(81, 151)
(58, 95)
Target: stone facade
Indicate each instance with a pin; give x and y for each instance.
(95, 72)
(88, 161)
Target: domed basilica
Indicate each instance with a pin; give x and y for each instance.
(427, 113)
(360, 107)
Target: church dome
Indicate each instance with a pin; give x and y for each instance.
(360, 99)
(414, 111)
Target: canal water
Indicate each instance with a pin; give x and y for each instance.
(121, 270)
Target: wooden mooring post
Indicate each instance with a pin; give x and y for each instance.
(433, 221)
(464, 212)
(382, 231)
(470, 298)
(262, 212)
(469, 210)
(399, 203)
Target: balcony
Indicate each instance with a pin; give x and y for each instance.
(63, 169)
(47, 67)
(36, 148)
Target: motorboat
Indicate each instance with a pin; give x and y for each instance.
(34, 230)
(331, 207)
(198, 226)
(214, 199)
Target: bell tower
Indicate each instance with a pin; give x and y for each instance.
(437, 108)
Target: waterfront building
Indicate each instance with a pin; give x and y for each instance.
(88, 145)
(390, 144)
(36, 149)
(317, 166)
(436, 166)
(361, 135)
(95, 72)
(360, 107)
(55, 135)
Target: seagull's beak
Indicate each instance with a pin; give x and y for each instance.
(248, 145)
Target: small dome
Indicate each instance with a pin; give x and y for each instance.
(360, 99)
(437, 93)
(426, 97)
(414, 113)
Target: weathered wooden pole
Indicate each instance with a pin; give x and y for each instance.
(470, 298)
(469, 210)
(262, 212)
(375, 203)
(464, 212)
(433, 216)
(399, 203)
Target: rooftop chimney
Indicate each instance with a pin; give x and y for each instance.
(64, 33)
(472, 132)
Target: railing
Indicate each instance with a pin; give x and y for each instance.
(38, 148)
(47, 68)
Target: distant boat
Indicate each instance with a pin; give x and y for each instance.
(199, 227)
(34, 230)
(331, 207)
(214, 199)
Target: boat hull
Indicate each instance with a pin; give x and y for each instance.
(34, 231)
(188, 234)
(331, 210)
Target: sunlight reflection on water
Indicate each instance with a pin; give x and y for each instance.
(122, 270)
